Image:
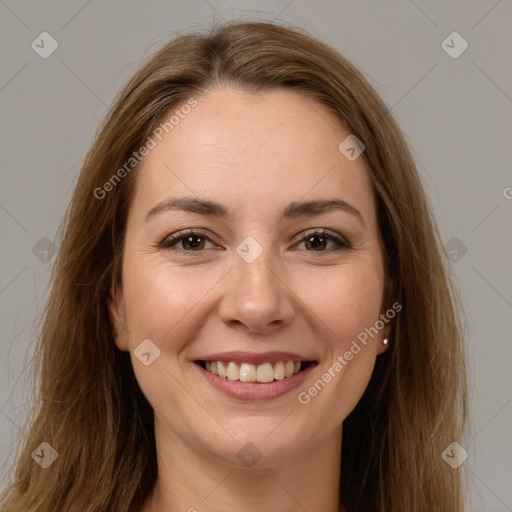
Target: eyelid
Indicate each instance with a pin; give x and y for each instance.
(168, 241)
(341, 242)
(331, 235)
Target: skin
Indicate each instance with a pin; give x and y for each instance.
(254, 154)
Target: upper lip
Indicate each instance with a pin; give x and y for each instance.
(254, 358)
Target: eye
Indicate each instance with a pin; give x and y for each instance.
(318, 238)
(194, 241)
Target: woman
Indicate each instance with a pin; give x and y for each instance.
(250, 309)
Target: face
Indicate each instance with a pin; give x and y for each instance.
(254, 287)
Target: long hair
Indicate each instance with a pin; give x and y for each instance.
(89, 407)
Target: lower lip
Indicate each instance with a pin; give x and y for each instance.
(254, 391)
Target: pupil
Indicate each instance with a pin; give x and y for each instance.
(317, 244)
(188, 241)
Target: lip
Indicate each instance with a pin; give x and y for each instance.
(254, 358)
(252, 391)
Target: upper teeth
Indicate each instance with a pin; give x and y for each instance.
(247, 372)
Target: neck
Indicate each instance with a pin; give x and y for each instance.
(192, 480)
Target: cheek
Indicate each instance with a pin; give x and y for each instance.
(158, 299)
(346, 301)
(345, 304)
(162, 305)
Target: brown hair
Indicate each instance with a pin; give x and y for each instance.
(90, 407)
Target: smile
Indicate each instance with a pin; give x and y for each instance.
(248, 372)
(252, 381)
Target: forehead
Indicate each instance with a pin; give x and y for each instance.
(254, 152)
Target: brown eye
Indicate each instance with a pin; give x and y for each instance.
(194, 242)
(316, 241)
(191, 241)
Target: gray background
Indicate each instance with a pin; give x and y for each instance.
(456, 114)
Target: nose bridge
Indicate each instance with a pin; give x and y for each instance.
(256, 297)
(255, 270)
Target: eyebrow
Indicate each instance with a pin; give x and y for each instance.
(293, 210)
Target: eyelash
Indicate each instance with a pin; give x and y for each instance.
(167, 243)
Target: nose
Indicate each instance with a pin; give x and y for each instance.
(256, 296)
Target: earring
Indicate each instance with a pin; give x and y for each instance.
(385, 341)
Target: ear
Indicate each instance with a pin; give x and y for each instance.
(117, 317)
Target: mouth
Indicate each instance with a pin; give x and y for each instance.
(255, 377)
(263, 373)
